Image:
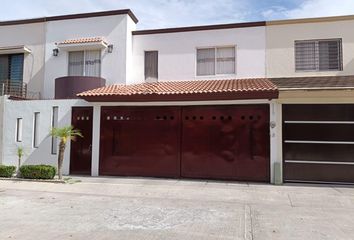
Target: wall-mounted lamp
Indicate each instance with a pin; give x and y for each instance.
(55, 52)
(110, 48)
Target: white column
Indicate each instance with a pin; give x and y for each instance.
(96, 140)
(276, 163)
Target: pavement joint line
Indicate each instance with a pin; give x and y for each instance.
(291, 203)
(123, 196)
(337, 190)
(248, 230)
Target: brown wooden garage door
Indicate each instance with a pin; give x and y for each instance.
(318, 143)
(214, 142)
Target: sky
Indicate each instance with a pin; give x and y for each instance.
(178, 13)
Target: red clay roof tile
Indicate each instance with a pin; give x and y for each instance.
(186, 90)
(83, 40)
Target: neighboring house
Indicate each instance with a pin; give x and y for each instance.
(312, 63)
(262, 101)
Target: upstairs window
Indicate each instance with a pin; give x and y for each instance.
(216, 61)
(85, 63)
(318, 55)
(11, 67)
(151, 66)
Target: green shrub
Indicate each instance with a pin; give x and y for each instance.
(37, 171)
(7, 171)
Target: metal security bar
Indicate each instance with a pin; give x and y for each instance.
(17, 89)
(13, 88)
(318, 55)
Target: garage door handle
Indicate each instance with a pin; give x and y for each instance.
(251, 141)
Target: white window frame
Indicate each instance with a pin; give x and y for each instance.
(215, 62)
(84, 68)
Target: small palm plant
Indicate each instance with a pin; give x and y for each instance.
(65, 134)
(20, 152)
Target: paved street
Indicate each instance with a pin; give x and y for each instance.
(128, 208)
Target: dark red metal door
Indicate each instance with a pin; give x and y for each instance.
(81, 149)
(140, 141)
(226, 142)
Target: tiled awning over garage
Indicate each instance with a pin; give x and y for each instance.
(198, 90)
(314, 83)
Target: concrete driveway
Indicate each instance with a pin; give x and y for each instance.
(126, 208)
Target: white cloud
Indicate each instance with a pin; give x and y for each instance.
(274, 12)
(173, 13)
(151, 13)
(313, 8)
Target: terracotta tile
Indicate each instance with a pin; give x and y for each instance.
(184, 87)
(83, 40)
(323, 82)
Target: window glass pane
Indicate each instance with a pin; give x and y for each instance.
(16, 67)
(225, 60)
(76, 63)
(329, 55)
(206, 61)
(151, 66)
(93, 63)
(305, 55)
(4, 67)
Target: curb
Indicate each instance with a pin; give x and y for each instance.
(32, 180)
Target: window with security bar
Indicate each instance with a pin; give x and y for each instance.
(318, 55)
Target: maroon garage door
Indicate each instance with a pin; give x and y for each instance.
(318, 143)
(214, 142)
(80, 154)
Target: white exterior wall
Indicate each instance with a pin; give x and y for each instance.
(131, 26)
(25, 110)
(177, 52)
(33, 37)
(2, 98)
(113, 65)
(281, 52)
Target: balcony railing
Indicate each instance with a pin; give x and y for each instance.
(17, 89)
(67, 87)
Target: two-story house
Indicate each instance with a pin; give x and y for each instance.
(311, 62)
(260, 101)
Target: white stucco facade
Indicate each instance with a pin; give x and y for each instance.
(177, 52)
(11, 110)
(114, 29)
(32, 36)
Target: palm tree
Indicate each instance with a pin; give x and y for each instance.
(65, 134)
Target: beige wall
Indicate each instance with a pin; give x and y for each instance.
(280, 59)
(316, 96)
(33, 37)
